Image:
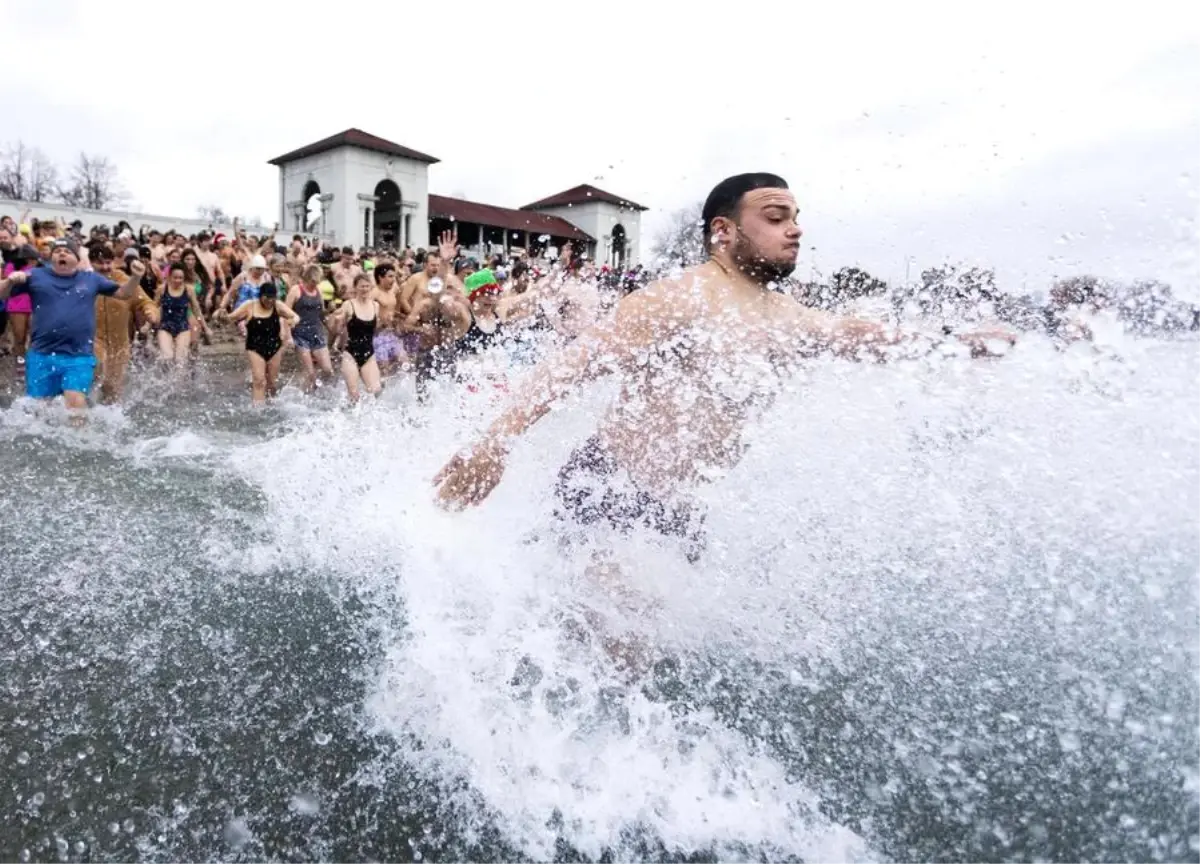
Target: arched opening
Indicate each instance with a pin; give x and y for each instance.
(313, 211)
(616, 253)
(387, 213)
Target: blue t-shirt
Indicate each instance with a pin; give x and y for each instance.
(64, 309)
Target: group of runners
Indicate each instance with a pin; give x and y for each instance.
(72, 320)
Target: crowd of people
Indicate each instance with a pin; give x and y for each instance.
(75, 323)
(72, 319)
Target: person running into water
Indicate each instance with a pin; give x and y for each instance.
(439, 321)
(20, 306)
(176, 301)
(358, 317)
(246, 286)
(388, 350)
(483, 294)
(264, 317)
(115, 322)
(61, 360)
(697, 353)
(309, 335)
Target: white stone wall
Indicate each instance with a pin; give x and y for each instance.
(328, 171)
(91, 218)
(350, 175)
(597, 218)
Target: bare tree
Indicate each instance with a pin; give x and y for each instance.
(26, 174)
(94, 184)
(682, 241)
(212, 213)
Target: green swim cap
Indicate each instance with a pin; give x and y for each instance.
(479, 281)
(368, 265)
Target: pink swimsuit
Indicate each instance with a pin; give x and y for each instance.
(18, 304)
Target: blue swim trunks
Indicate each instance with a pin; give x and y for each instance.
(48, 375)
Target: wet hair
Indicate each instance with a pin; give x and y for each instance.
(362, 277)
(313, 273)
(178, 265)
(726, 198)
(383, 270)
(99, 252)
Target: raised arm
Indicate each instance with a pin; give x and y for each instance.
(133, 283)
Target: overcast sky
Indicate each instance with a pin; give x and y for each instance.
(1041, 139)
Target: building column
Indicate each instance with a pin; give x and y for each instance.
(323, 222)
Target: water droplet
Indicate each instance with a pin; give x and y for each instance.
(237, 833)
(22, 758)
(128, 826)
(322, 738)
(113, 827)
(38, 799)
(305, 803)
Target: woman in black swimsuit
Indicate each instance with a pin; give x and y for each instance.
(175, 326)
(264, 338)
(358, 316)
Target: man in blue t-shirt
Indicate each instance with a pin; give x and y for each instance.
(61, 359)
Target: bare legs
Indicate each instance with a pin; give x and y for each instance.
(367, 375)
(174, 348)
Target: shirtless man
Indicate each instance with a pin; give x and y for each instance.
(698, 354)
(212, 263)
(344, 273)
(388, 351)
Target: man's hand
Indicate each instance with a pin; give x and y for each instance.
(137, 268)
(448, 245)
(467, 480)
(18, 277)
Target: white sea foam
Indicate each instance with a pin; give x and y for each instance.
(866, 494)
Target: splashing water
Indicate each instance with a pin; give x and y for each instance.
(946, 610)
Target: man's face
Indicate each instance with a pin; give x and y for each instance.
(63, 262)
(766, 238)
(6, 239)
(155, 238)
(180, 241)
(102, 265)
(347, 260)
(387, 280)
(432, 263)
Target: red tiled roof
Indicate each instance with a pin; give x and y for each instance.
(354, 138)
(582, 194)
(503, 217)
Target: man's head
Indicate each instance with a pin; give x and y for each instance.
(433, 262)
(64, 257)
(385, 276)
(101, 258)
(750, 221)
(7, 241)
(347, 256)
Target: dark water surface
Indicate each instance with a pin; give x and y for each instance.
(171, 693)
